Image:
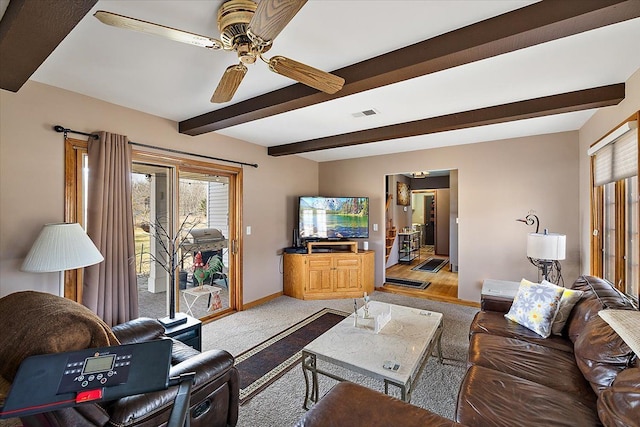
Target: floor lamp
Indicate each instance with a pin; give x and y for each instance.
(544, 250)
(61, 247)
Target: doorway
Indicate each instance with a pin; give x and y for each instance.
(427, 224)
(187, 211)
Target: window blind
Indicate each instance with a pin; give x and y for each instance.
(617, 159)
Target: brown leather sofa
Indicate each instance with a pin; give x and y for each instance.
(214, 395)
(41, 323)
(586, 377)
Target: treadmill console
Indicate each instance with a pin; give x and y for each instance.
(53, 381)
(101, 369)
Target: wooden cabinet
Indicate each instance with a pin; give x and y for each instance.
(329, 275)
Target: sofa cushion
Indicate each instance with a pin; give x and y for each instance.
(349, 404)
(181, 352)
(546, 366)
(491, 398)
(142, 329)
(535, 306)
(493, 323)
(601, 354)
(619, 405)
(598, 295)
(569, 299)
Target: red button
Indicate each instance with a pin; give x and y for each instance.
(85, 396)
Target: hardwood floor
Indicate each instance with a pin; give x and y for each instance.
(443, 287)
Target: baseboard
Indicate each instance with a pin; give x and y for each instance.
(261, 300)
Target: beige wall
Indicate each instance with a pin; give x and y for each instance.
(601, 123)
(32, 183)
(497, 182)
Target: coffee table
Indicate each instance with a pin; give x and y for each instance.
(406, 340)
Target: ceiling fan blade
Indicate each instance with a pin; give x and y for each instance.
(128, 23)
(318, 79)
(271, 17)
(229, 83)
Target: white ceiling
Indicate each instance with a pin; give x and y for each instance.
(176, 81)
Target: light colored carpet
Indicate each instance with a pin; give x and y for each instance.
(281, 403)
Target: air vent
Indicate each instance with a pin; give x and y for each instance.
(364, 113)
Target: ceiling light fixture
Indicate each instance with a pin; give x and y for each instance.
(422, 174)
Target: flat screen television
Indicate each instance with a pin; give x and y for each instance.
(333, 218)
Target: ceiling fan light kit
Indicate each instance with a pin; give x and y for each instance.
(248, 29)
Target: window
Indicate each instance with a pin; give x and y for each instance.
(615, 219)
(632, 238)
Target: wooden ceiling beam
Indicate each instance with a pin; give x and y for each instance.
(30, 30)
(554, 104)
(535, 24)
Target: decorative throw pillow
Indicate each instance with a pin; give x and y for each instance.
(569, 298)
(535, 306)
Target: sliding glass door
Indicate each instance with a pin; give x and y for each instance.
(206, 270)
(181, 206)
(153, 219)
(185, 212)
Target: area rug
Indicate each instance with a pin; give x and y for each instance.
(261, 365)
(413, 284)
(431, 265)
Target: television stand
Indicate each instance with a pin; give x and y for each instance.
(353, 245)
(338, 274)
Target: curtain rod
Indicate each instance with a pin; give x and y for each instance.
(61, 129)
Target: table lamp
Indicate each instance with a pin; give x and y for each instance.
(61, 247)
(544, 250)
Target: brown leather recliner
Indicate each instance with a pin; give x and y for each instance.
(214, 397)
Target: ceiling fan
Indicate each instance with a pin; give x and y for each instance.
(248, 29)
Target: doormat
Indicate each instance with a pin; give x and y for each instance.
(261, 365)
(413, 284)
(431, 265)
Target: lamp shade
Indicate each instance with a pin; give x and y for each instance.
(550, 246)
(61, 247)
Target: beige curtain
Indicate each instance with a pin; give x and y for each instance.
(109, 288)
